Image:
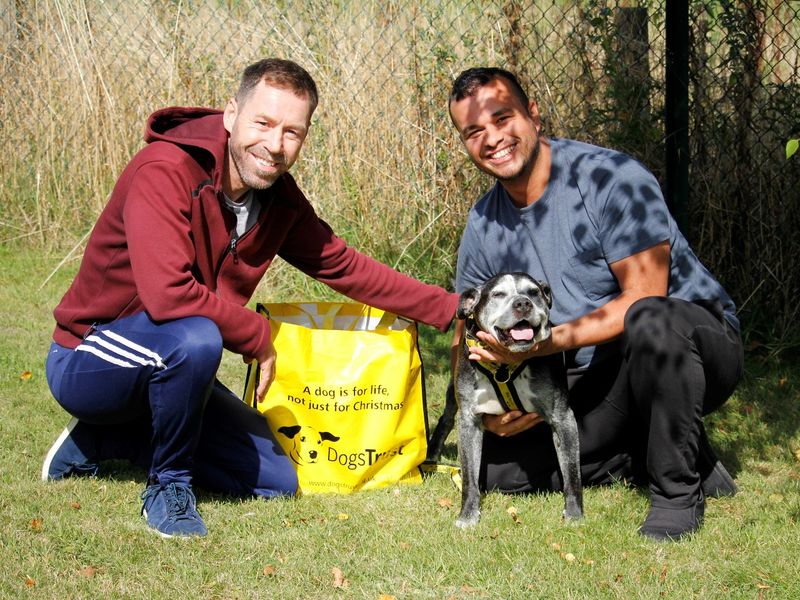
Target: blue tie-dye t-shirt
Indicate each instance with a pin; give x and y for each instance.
(600, 206)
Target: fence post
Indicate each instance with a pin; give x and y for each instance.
(676, 117)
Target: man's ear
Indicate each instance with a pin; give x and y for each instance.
(467, 302)
(229, 114)
(533, 112)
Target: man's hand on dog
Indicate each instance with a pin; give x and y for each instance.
(514, 422)
(497, 353)
(510, 423)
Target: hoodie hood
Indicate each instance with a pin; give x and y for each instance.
(199, 131)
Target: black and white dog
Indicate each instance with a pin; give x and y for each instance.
(515, 309)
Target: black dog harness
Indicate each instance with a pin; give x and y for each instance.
(501, 376)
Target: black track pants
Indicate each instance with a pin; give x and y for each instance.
(639, 415)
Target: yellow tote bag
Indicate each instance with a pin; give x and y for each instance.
(347, 404)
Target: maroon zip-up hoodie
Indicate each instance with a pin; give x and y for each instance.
(163, 244)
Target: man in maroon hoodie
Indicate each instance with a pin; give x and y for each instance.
(192, 224)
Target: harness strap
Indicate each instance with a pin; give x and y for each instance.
(501, 376)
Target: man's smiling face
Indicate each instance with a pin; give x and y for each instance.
(500, 133)
(267, 130)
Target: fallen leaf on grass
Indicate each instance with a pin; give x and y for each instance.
(269, 571)
(76, 505)
(25, 375)
(30, 582)
(512, 510)
(88, 571)
(569, 557)
(36, 524)
(343, 516)
(797, 454)
(663, 577)
(387, 597)
(338, 578)
(445, 502)
(782, 381)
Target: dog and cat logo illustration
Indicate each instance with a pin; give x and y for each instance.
(309, 446)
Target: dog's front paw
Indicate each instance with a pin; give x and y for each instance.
(468, 521)
(572, 517)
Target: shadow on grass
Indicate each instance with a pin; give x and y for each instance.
(761, 422)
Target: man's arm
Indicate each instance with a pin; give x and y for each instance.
(640, 275)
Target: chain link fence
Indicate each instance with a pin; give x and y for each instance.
(81, 76)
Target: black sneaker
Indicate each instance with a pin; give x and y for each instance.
(714, 477)
(72, 454)
(667, 524)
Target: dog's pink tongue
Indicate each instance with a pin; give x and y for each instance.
(521, 334)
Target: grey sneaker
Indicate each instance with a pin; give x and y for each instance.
(171, 511)
(72, 454)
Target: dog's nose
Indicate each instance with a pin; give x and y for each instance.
(522, 304)
(313, 454)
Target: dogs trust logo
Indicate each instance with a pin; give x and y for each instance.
(307, 443)
(309, 446)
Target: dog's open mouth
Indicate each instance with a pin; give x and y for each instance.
(519, 333)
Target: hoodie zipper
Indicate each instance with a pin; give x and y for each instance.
(229, 249)
(232, 247)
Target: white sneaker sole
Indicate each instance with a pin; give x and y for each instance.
(166, 536)
(55, 447)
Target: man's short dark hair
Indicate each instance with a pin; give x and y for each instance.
(280, 73)
(469, 81)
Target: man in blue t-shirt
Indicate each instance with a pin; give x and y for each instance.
(650, 338)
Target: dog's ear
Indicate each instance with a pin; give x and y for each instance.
(547, 294)
(328, 437)
(467, 302)
(289, 430)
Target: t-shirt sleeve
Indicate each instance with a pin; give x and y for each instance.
(632, 213)
(472, 268)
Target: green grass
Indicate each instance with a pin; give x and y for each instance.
(85, 538)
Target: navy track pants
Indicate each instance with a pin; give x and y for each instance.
(150, 394)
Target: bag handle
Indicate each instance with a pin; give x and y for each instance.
(326, 320)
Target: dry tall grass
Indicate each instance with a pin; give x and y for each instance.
(383, 164)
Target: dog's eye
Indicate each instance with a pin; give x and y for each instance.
(498, 295)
